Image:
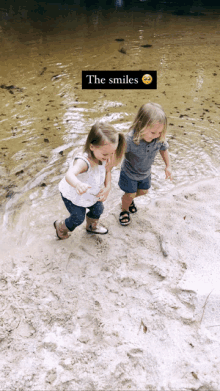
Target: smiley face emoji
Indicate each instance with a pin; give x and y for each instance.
(147, 79)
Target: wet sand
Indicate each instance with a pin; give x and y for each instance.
(136, 309)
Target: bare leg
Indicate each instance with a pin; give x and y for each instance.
(127, 200)
(132, 207)
(141, 192)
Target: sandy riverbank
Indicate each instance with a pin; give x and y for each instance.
(137, 309)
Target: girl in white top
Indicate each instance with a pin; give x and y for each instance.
(88, 180)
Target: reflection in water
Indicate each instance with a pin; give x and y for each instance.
(45, 115)
(119, 3)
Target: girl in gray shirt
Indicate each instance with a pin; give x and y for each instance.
(145, 139)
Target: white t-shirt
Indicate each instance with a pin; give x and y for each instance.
(94, 176)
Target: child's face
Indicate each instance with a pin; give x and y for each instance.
(150, 133)
(103, 152)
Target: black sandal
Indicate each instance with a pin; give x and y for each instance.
(132, 208)
(124, 218)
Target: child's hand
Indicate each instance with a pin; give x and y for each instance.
(103, 194)
(168, 173)
(110, 162)
(82, 187)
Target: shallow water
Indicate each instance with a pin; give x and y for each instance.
(47, 117)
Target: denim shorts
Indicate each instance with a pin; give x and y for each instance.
(129, 185)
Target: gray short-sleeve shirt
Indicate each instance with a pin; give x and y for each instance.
(139, 158)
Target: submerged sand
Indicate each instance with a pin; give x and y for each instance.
(137, 309)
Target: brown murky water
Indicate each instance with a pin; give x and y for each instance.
(47, 116)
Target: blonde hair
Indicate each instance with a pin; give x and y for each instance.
(148, 115)
(102, 133)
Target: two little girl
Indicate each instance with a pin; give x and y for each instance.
(88, 180)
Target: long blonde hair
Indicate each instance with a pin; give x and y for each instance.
(101, 133)
(148, 115)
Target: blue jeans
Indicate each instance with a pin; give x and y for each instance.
(77, 213)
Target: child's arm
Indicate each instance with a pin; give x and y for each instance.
(166, 158)
(108, 178)
(103, 194)
(79, 166)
